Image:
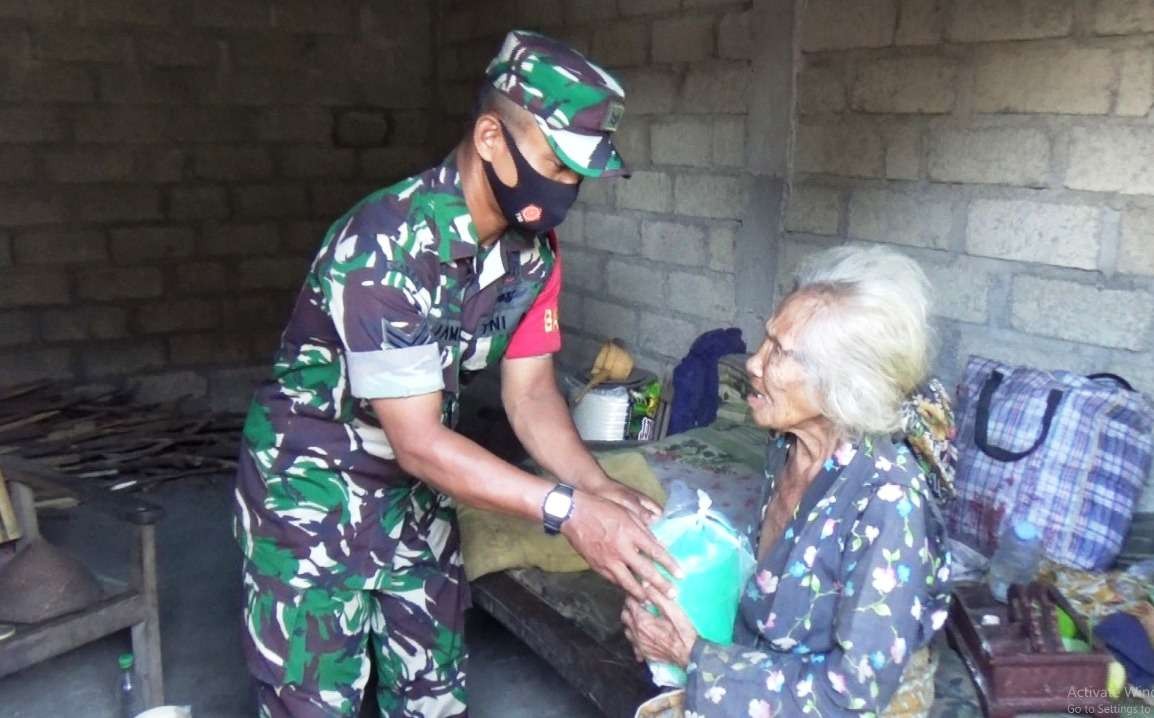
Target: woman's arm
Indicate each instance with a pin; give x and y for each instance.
(889, 573)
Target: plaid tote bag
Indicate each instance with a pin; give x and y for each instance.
(1070, 454)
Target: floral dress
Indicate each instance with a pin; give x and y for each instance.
(856, 584)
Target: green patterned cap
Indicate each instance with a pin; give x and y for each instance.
(576, 103)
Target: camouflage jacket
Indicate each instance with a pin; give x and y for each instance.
(400, 299)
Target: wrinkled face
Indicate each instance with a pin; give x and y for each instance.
(782, 396)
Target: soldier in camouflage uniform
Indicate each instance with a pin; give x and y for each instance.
(350, 468)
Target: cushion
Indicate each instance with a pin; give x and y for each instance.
(494, 542)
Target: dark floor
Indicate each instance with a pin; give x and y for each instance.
(200, 622)
(200, 599)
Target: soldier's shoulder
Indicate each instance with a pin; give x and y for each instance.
(389, 207)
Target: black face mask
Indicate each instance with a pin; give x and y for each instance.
(535, 203)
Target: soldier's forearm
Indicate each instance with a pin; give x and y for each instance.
(542, 423)
(452, 464)
(457, 466)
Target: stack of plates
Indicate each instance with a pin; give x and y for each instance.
(603, 413)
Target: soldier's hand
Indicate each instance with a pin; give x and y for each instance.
(617, 545)
(641, 506)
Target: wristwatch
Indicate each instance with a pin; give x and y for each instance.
(557, 507)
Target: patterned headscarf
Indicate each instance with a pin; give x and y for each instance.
(928, 426)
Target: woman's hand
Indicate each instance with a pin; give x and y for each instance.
(667, 638)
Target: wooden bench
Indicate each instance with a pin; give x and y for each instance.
(130, 604)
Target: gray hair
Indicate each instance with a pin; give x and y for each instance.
(867, 340)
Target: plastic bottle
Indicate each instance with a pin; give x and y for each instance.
(1016, 559)
(131, 703)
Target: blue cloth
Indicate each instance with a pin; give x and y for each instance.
(1124, 636)
(695, 379)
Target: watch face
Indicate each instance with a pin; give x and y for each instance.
(557, 504)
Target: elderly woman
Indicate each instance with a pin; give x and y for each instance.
(852, 561)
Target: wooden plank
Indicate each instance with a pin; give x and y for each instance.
(146, 634)
(9, 527)
(26, 420)
(23, 389)
(605, 672)
(32, 644)
(121, 506)
(107, 439)
(24, 504)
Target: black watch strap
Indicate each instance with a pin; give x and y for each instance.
(553, 523)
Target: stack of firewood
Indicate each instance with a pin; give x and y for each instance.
(106, 437)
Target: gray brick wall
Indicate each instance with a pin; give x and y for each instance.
(649, 259)
(168, 168)
(1008, 146)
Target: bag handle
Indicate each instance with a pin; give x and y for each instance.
(982, 421)
(1112, 377)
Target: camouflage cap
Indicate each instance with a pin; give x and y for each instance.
(577, 104)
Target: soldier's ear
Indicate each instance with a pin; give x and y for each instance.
(487, 137)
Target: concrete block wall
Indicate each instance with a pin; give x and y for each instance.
(650, 259)
(1008, 145)
(168, 168)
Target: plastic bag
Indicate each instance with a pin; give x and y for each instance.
(1144, 572)
(966, 564)
(717, 560)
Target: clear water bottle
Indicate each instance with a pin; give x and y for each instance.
(131, 702)
(1016, 559)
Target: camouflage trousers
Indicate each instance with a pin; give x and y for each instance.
(312, 649)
